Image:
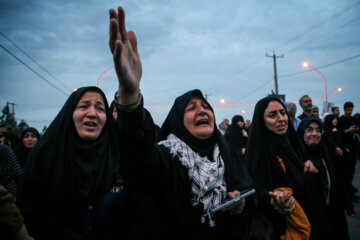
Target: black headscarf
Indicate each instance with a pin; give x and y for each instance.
(67, 170)
(21, 150)
(332, 133)
(263, 148)
(174, 123)
(328, 126)
(235, 136)
(318, 150)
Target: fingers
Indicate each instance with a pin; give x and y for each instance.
(133, 41)
(282, 202)
(117, 28)
(238, 208)
(113, 30)
(311, 167)
(121, 20)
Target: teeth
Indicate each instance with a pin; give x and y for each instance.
(202, 122)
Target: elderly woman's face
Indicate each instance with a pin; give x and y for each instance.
(275, 118)
(90, 116)
(30, 139)
(199, 119)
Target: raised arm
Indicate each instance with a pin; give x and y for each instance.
(123, 46)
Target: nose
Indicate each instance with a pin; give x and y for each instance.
(281, 117)
(201, 110)
(91, 112)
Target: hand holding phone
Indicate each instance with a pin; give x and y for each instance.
(233, 201)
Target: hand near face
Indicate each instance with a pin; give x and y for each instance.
(282, 201)
(244, 133)
(309, 167)
(237, 208)
(123, 46)
(339, 151)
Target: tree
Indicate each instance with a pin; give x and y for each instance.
(8, 118)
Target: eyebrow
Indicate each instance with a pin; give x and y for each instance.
(89, 101)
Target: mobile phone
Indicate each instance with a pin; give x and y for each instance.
(234, 200)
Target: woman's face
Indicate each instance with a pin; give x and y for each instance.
(30, 139)
(334, 122)
(90, 116)
(312, 134)
(275, 118)
(198, 118)
(240, 124)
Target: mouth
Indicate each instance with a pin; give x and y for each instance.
(90, 124)
(202, 122)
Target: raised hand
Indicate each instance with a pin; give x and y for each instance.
(123, 46)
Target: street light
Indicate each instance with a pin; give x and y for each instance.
(224, 102)
(334, 91)
(307, 65)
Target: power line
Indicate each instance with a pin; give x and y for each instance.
(293, 74)
(254, 90)
(318, 25)
(26, 54)
(323, 35)
(228, 79)
(323, 66)
(43, 78)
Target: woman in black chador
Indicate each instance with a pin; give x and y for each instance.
(340, 153)
(190, 171)
(71, 186)
(237, 136)
(329, 182)
(28, 138)
(275, 160)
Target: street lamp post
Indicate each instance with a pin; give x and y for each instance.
(307, 65)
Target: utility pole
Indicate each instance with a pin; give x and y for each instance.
(275, 71)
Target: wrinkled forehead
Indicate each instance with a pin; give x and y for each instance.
(92, 95)
(196, 98)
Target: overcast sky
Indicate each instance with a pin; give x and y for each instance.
(219, 47)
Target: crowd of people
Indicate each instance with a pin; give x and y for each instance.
(109, 172)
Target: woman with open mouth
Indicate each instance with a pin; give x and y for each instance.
(71, 187)
(190, 171)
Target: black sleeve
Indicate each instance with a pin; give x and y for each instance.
(142, 158)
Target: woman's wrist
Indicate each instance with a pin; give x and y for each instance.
(129, 102)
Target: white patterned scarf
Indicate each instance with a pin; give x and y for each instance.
(206, 177)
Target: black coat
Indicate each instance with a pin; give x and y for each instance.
(164, 205)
